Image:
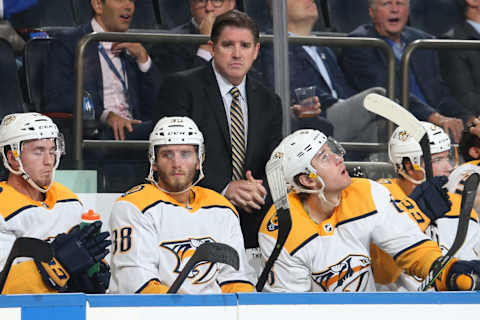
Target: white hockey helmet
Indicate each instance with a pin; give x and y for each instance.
(175, 130)
(298, 150)
(17, 128)
(402, 145)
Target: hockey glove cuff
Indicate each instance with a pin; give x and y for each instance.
(432, 198)
(459, 275)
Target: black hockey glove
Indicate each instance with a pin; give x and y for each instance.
(462, 276)
(98, 283)
(432, 198)
(81, 248)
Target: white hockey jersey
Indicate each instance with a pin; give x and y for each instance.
(154, 236)
(334, 255)
(24, 217)
(443, 232)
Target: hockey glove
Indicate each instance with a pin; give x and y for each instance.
(461, 275)
(432, 198)
(98, 283)
(81, 248)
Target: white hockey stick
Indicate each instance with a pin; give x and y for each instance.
(279, 192)
(394, 112)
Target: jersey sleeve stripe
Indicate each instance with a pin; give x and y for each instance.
(357, 217)
(234, 281)
(304, 243)
(146, 284)
(68, 200)
(410, 247)
(13, 214)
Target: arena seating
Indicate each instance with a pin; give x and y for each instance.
(346, 15)
(435, 18)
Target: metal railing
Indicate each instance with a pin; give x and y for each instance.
(428, 44)
(79, 143)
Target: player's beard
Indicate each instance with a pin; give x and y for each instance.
(175, 184)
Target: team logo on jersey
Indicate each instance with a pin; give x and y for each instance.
(349, 275)
(183, 250)
(328, 227)
(272, 224)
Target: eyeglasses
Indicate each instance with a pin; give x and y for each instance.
(203, 3)
(334, 149)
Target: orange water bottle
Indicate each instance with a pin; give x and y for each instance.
(88, 218)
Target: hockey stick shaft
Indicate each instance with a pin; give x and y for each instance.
(36, 249)
(397, 114)
(212, 252)
(468, 198)
(278, 189)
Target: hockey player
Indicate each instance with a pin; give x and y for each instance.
(437, 211)
(157, 226)
(469, 148)
(335, 219)
(33, 205)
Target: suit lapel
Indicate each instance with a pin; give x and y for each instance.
(215, 102)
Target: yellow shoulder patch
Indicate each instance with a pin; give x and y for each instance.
(357, 201)
(62, 192)
(456, 200)
(12, 201)
(206, 198)
(144, 195)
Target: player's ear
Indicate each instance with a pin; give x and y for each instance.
(307, 181)
(474, 152)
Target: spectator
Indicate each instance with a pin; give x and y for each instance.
(430, 100)
(240, 118)
(461, 68)
(120, 77)
(167, 219)
(33, 205)
(334, 221)
(317, 66)
(181, 56)
(426, 202)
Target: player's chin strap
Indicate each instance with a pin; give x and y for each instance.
(320, 192)
(409, 178)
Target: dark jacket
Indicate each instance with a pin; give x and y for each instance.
(461, 69)
(366, 67)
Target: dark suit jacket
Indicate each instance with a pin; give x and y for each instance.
(304, 72)
(366, 67)
(461, 69)
(60, 80)
(195, 93)
(173, 57)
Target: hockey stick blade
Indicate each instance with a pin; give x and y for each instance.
(36, 249)
(397, 114)
(214, 252)
(468, 198)
(278, 189)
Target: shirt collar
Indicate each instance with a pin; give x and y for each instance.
(226, 85)
(475, 25)
(98, 28)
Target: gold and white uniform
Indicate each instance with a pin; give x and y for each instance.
(154, 236)
(334, 255)
(24, 217)
(443, 231)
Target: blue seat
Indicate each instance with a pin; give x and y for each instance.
(45, 13)
(435, 17)
(346, 15)
(11, 97)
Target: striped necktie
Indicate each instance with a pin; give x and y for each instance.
(238, 135)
